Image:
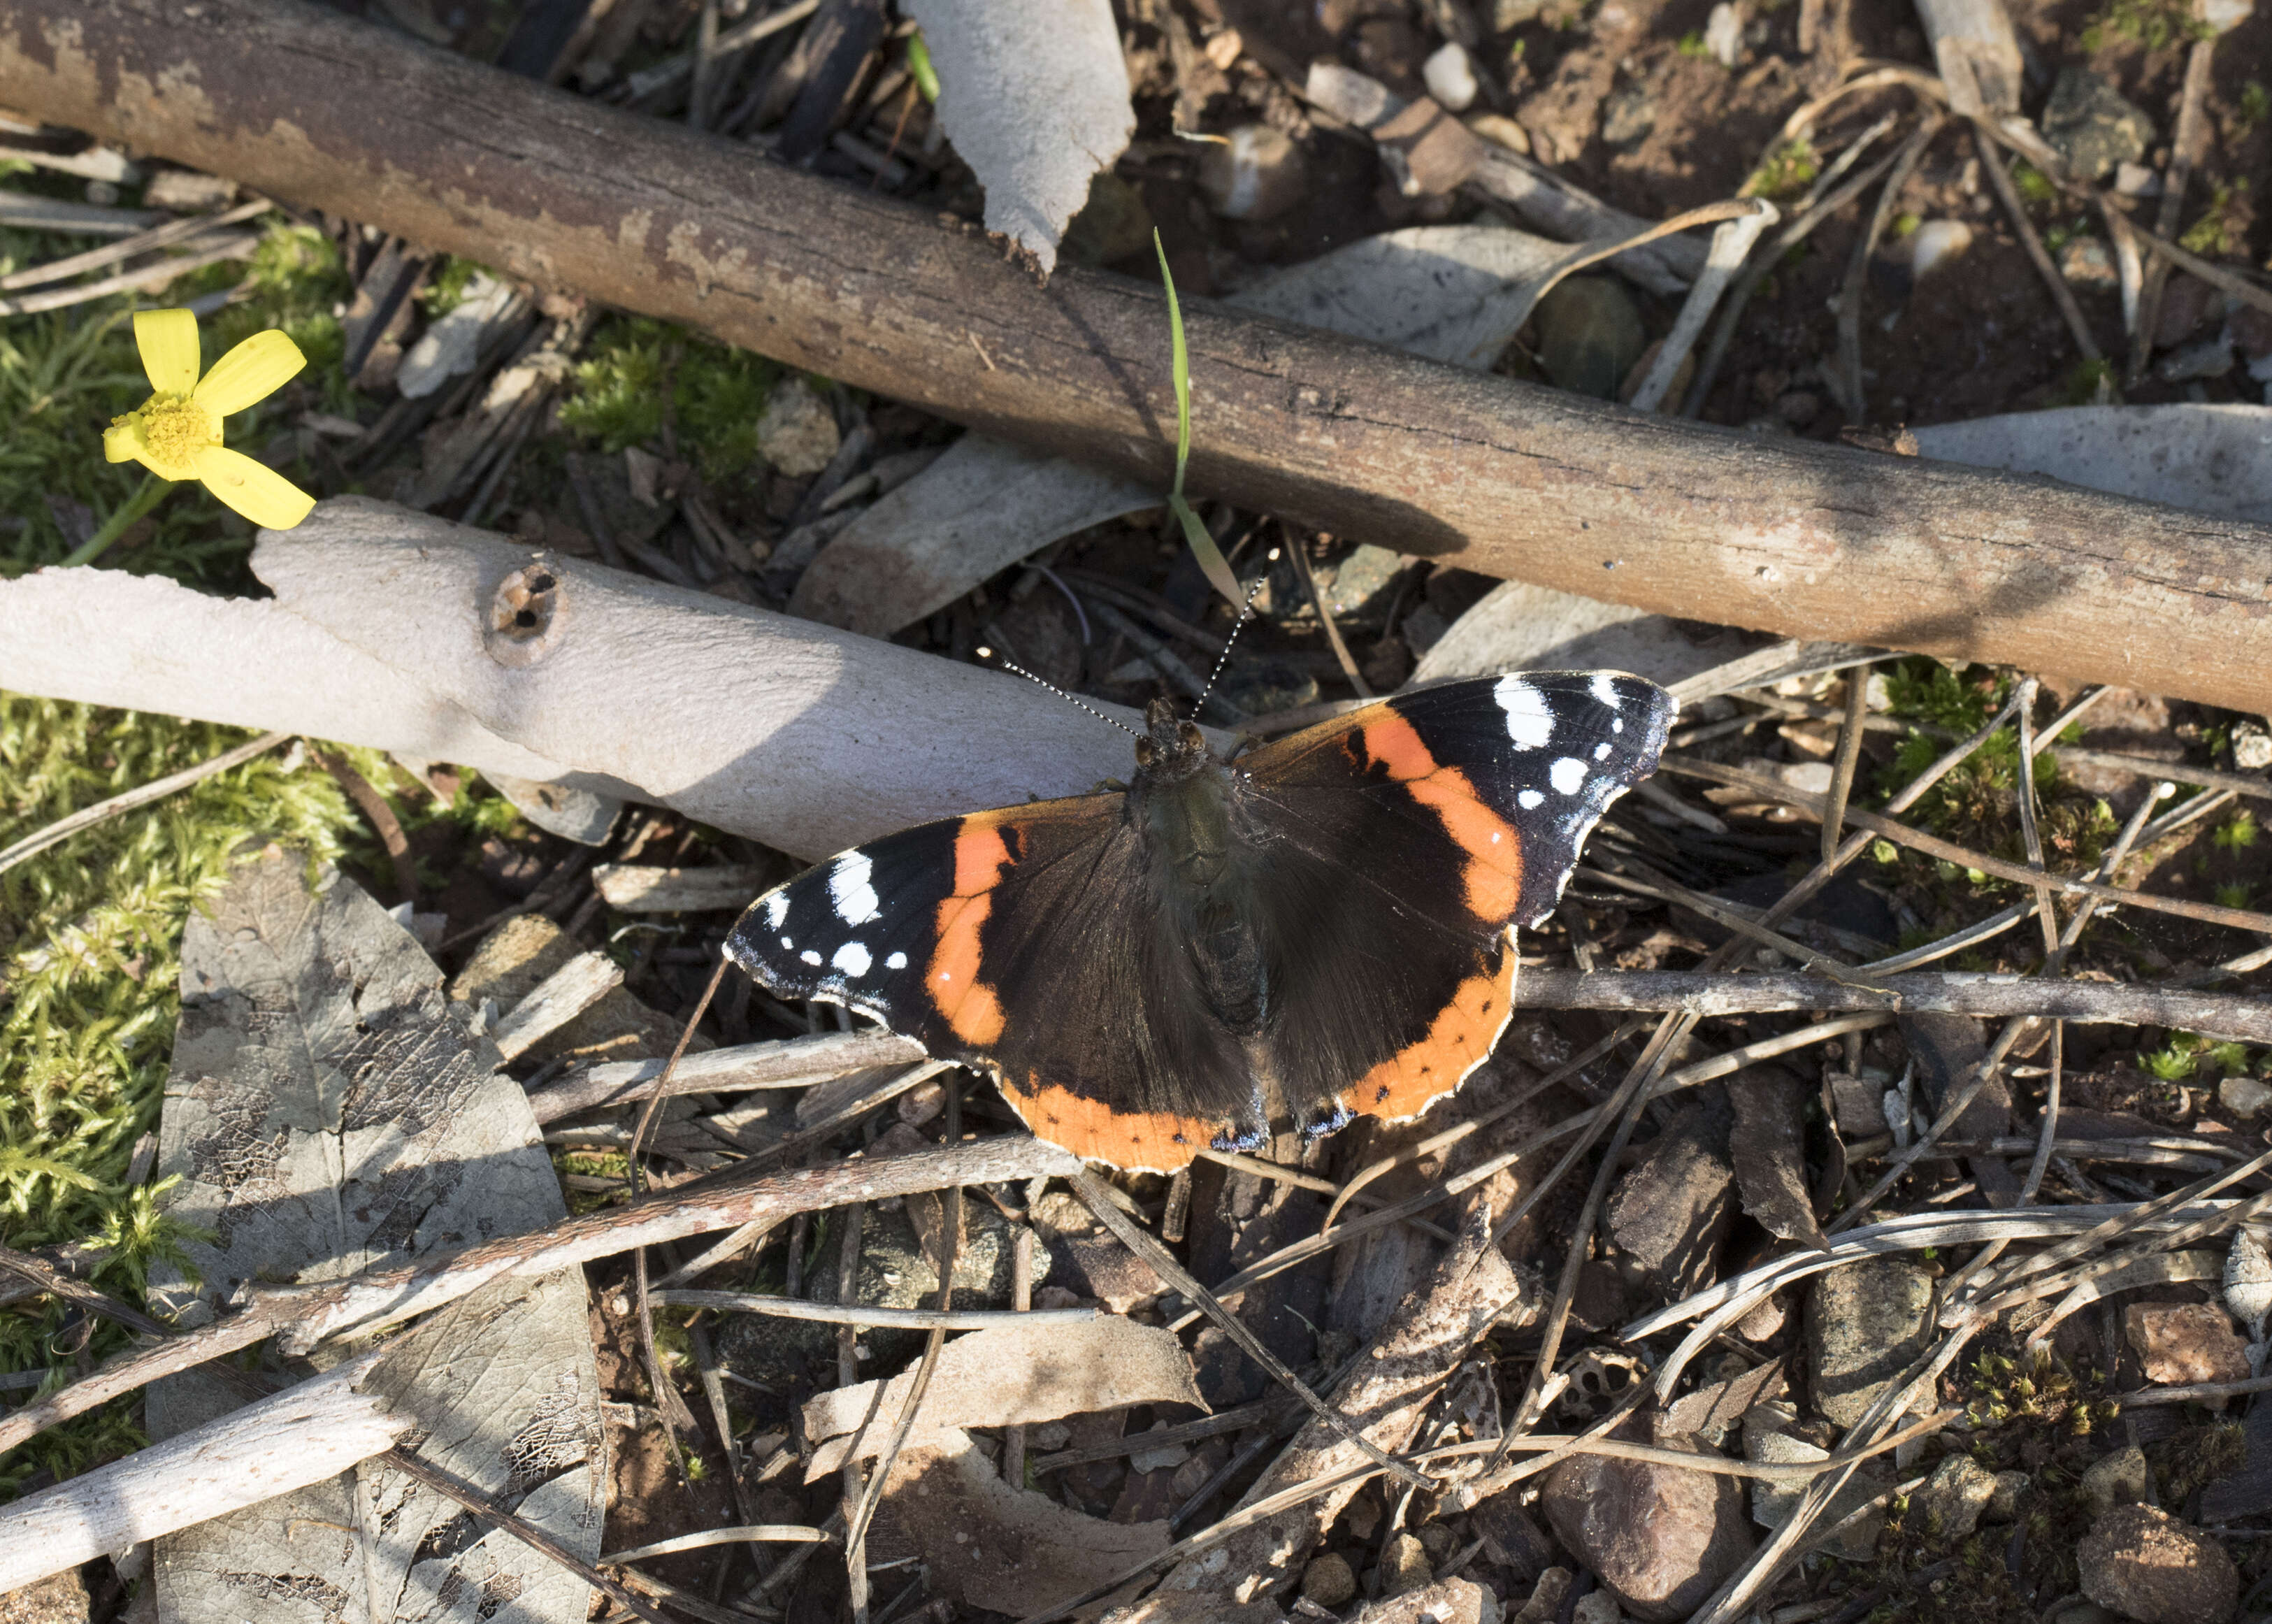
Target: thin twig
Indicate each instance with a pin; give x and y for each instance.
(1932, 845)
(2188, 147)
(1098, 1199)
(1325, 618)
(861, 1314)
(2000, 179)
(383, 823)
(1857, 268)
(126, 248)
(1849, 758)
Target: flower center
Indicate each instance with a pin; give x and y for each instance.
(173, 427)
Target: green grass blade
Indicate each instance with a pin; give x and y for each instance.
(1213, 565)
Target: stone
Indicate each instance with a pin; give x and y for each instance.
(1450, 1601)
(2004, 1499)
(1670, 1214)
(1724, 34)
(2203, 358)
(1511, 1538)
(1451, 77)
(797, 433)
(1660, 1537)
(1113, 224)
(2117, 1479)
(1508, 15)
(1545, 1597)
(186, 192)
(2086, 262)
(1501, 130)
(2089, 124)
(1256, 172)
(1866, 1324)
(1365, 579)
(1327, 1581)
(2251, 744)
(1937, 244)
(2248, 1280)
(59, 1598)
(2244, 1097)
(1628, 114)
(1086, 1260)
(1953, 1498)
(1773, 1503)
(2188, 304)
(2180, 1344)
(1597, 1607)
(1404, 1566)
(2145, 1564)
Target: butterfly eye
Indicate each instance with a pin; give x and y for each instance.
(1190, 734)
(1144, 752)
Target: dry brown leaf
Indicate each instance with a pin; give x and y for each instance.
(987, 1544)
(1010, 1377)
(1769, 1152)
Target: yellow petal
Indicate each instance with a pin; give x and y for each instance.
(169, 342)
(253, 370)
(121, 442)
(253, 489)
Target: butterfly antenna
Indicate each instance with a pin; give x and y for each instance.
(1245, 614)
(1071, 699)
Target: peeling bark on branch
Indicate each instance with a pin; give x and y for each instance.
(1505, 477)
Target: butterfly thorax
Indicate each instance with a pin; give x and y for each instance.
(1185, 803)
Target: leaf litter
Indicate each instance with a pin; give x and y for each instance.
(2023, 1351)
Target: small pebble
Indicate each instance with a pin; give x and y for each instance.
(2135, 180)
(1404, 1566)
(1953, 1498)
(2117, 1479)
(1597, 1607)
(2252, 743)
(2244, 1097)
(2180, 1344)
(2208, 357)
(1255, 173)
(2145, 1564)
(2004, 1503)
(1328, 1581)
(1629, 115)
(1450, 78)
(796, 432)
(1937, 244)
(2086, 262)
(1724, 34)
(1501, 130)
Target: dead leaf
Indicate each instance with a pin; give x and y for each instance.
(1008, 1377)
(1035, 100)
(327, 1111)
(1769, 1151)
(1517, 626)
(987, 1544)
(2212, 459)
(1671, 1211)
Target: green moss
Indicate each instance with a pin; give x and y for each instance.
(2154, 24)
(2255, 105)
(715, 395)
(445, 289)
(90, 941)
(1785, 172)
(2222, 231)
(2036, 189)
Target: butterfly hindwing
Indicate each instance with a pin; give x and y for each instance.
(1483, 792)
(940, 931)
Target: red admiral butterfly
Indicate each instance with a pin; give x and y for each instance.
(1319, 928)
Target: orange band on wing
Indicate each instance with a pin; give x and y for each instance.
(1095, 1132)
(1493, 871)
(1404, 1085)
(952, 976)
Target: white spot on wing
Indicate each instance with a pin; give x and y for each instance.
(850, 889)
(809, 957)
(1568, 775)
(787, 943)
(1605, 689)
(1529, 800)
(1530, 719)
(777, 910)
(1602, 751)
(852, 958)
(897, 961)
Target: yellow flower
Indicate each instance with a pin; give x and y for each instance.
(176, 433)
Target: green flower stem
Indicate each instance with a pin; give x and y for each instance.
(153, 491)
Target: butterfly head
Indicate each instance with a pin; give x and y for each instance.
(1171, 747)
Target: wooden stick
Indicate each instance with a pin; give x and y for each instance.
(303, 1316)
(2244, 1019)
(305, 1434)
(302, 103)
